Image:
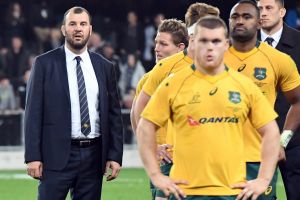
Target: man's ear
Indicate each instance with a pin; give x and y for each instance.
(282, 12)
(181, 46)
(62, 29)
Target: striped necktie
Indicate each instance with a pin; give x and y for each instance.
(84, 109)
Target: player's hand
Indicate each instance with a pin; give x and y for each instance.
(35, 169)
(114, 169)
(251, 189)
(163, 153)
(282, 154)
(169, 186)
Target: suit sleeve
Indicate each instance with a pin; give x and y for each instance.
(115, 148)
(33, 114)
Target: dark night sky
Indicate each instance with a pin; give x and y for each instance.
(117, 9)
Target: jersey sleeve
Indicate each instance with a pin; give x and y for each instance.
(141, 84)
(289, 77)
(261, 112)
(156, 76)
(158, 109)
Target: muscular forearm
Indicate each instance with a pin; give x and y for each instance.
(269, 151)
(140, 104)
(147, 146)
(132, 119)
(292, 120)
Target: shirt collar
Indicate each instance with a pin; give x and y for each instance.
(70, 55)
(276, 36)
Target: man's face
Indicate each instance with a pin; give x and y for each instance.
(243, 22)
(77, 30)
(271, 13)
(209, 47)
(164, 46)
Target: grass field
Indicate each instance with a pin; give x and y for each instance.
(132, 184)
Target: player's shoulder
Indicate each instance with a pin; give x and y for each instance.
(177, 79)
(171, 60)
(145, 77)
(240, 78)
(273, 54)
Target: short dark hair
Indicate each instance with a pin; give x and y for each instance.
(253, 3)
(77, 10)
(279, 2)
(177, 29)
(198, 10)
(211, 22)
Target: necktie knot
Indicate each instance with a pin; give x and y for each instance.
(269, 40)
(78, 59)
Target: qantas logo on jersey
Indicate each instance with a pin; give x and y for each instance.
(205, 120)
(260, 73)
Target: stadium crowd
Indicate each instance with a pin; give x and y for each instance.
(128, 44)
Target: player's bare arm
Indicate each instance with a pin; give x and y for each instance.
(140, 104)
(147, 148)
(269, 152)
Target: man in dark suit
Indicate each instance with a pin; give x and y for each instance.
(285, 39)
(73, 125)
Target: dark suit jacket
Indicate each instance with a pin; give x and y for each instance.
(48, 111)
(289, 43)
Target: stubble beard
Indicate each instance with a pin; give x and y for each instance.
(76, 45)
(242, 37)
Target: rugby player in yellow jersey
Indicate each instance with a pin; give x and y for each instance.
(269, 69)
(208, 105)
(162, 69)
(171, 38)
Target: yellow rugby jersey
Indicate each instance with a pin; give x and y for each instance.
(269, 69)
(161, 133)
(140, 84)
(164, 68)
(208, 113)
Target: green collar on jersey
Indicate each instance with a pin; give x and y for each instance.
(185, 52)
(257, 43)
(194, 67)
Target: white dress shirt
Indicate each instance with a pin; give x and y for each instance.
(276, 36)
(92, 92)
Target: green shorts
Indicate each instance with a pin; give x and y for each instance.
(252, 171)
(165, 170)
(207, 198)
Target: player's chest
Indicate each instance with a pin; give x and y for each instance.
(258, 69)
(218, 102)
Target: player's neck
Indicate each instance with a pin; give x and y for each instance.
(210, 71)
(190, 52)
(244, 46)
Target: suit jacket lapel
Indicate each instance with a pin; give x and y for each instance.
(62, 70)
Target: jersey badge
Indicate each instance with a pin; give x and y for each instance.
(234, 97)
(260, 73)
